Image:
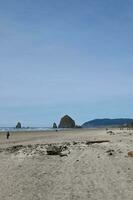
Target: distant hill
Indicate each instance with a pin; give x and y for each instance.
(106, 122)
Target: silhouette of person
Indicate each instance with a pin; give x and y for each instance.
(7, 135)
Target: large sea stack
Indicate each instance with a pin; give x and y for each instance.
(66, 122)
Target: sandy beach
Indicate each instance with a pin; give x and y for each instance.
(93, 164)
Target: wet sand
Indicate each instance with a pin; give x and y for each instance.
(85, 170)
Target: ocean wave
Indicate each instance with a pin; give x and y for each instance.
(5, 129)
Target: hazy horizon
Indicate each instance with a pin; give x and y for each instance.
(65, 57)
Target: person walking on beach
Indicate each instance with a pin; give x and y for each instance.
(7, 135)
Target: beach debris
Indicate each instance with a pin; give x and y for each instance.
(74, 143)
(110, 132)
(38, 149)
(26, 150)
(96, 142)
(130, 154)
(1, 150)
(110, 152)
(66, 144)
(64, 153)
(14, 149)
(57, 150)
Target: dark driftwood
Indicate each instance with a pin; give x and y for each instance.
(96, 141)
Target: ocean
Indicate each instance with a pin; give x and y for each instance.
(5, 129)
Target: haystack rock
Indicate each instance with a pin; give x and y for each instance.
(66, 122)
(18, 125)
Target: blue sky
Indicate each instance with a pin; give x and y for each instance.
(65, 57)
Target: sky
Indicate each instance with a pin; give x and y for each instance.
(62, 57)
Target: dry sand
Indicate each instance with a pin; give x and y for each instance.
(96, 171)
